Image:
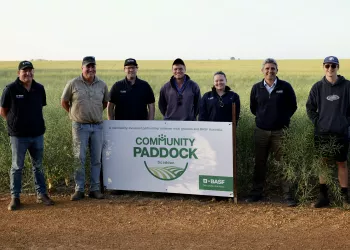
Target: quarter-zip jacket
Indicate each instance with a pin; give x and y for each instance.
(328, 106)
(273, 111)
(210, 109)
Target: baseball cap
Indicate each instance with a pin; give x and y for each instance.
(179, 61)
(331, 59)
(88, 60)
(130, 61)
(24, 65)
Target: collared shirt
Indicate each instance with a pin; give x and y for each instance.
(268, 88)
(131, 100)
(86, 100)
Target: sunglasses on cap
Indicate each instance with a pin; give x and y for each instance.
(333, 66)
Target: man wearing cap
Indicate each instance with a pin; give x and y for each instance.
(22, 106)
(84, 98)
(179, 98)
(328, 107)
(273, 102)
(131, 98)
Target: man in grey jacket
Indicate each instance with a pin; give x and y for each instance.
(328, 107)
(179, 98)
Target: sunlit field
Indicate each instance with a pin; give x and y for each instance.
(300, 163)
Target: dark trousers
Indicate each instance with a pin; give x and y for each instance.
(265, 142)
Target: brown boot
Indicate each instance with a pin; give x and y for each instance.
(45, 199)
(96, 195)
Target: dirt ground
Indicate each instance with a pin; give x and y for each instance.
(171, 222)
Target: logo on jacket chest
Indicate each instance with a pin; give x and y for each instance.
(19, 96)
(279, 91)
(332, 98)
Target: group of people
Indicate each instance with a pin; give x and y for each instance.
(272, 102)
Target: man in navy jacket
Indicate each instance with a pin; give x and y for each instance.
(273, 102)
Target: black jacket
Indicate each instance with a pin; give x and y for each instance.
(328, 106)
(273, 111)
(211, 110)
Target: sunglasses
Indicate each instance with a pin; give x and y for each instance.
(333, 66)
(179, 99)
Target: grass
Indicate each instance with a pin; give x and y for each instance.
(300, 164)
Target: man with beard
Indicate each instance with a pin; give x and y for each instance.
(179, 98)
(131, 98)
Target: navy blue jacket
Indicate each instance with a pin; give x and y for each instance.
(211, 110)
(328, 106)
(273, 111)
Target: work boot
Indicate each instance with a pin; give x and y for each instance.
(77, 196)
(345, 198)
(44, 199)
(96, 195)
(290, 201)
(323, 201)
(14, 204)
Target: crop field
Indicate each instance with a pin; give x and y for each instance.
(300, 164)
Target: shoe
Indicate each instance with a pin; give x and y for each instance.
(15, 204)
(290, 202)
(254, 198)
(45, 199)
(345, 201)
(77, 196)
(96, 195)
(322, 202)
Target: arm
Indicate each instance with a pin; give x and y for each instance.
(151, 111)
(292, 101)
(104, 105)
(65, 105)
(311, 106)
(238, 107)
(110, 111)
(162, 103)
(203, 111)
(253, 103)
(4, 112)
(105, 97)
(196, 102)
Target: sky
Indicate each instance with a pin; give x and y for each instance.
(167, 29)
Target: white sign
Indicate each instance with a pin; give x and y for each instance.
(187, 157)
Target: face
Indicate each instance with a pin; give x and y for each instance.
(89, 71)
(130, 71)
(179, 71)
(26, 75)
(219, 82)
(330, 69)
(270, 71)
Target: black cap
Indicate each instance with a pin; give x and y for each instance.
(130, 61)
(88, 60)
(179, 61)
(24, 65)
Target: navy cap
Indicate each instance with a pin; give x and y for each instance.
(130, 61)
(179, 61)
(331, 59)
(24, 65)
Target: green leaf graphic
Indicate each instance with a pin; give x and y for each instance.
(167, 173)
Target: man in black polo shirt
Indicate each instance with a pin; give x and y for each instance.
(131, 98)
(22, 106)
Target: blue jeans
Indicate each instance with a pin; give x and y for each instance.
(84, 136)
(19, 147)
